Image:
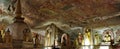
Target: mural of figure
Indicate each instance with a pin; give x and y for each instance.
(65, 41)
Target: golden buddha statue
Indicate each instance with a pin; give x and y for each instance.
(87, 37)
(107, 37)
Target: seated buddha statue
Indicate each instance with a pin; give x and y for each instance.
(7, 37)
(107, 37)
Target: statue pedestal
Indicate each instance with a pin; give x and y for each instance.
(17, 44)
(5, 46)
(27, 44)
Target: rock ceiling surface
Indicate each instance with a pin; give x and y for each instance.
(73, 12)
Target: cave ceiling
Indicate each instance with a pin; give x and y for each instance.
(72, 12)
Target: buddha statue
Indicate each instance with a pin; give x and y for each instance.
(1, 40)
(26, 36)
(80, 38)
(87, 37)
(96, 39)
(107, 37)
(7, 37)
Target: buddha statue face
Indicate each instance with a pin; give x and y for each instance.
(79, 33)
(107, 33)
(88, 30)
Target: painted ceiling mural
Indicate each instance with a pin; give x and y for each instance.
(74, 12)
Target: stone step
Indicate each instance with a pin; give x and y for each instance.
(27, 44)
(5, 46)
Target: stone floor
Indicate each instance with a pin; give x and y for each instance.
(81, 47)
(93, 47)
(30, 46)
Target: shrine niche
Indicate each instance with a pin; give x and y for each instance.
(108, 36)
(65, 41)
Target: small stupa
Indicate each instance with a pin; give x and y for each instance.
(18, 27)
